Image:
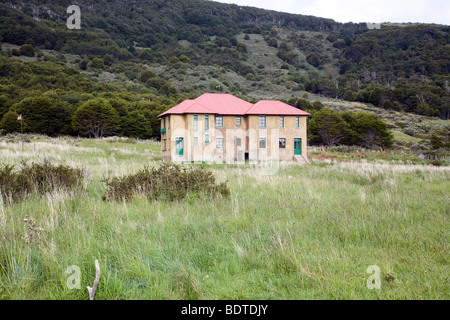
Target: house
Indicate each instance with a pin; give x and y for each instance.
(223, 128)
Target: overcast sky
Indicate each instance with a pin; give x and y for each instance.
(424, 11)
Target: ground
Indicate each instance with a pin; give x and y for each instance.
(289, 232)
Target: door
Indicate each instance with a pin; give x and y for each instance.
(297, 146)
(179, 142)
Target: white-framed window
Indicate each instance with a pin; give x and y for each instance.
(262, 121)
(195, 141)
(219, 143)
(219, 122)
(281, 121)
(297, 122)
(195, 122)
(262, 143)
(282, 143)
(238, 120)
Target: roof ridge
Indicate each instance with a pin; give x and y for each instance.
(200, 104)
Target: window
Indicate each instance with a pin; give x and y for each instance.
(262, 143)
(195, 141)
(164, 144)
(206, 138)
(179, 143)
(219, 143)
(262, 121)
(219, 122)
(238, 142)
(281, 121)
(195, 122)
(282, 143)
(297, 122)
(206, 122)
(238, 121)
(164, 123)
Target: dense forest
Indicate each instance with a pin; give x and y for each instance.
(48, 71)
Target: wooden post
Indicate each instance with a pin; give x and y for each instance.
(21, 129)
(97, 279)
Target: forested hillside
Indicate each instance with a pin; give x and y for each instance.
(144, 56)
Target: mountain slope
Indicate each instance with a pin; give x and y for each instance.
(165, 51)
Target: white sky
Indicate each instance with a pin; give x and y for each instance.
(424, 11)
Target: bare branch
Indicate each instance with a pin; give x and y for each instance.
(97, 279)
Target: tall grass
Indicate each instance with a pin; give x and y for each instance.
(307, 232)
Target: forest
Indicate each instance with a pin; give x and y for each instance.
(399, 67)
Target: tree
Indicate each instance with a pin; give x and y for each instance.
(436, 142)
(4, 104)
(147, 75)
(96, 118)
(9, 122)
(372, 132)
(313, 59)
(44, 115)
(327, 126)
(97, 63)
(136, 125)
(27, 50)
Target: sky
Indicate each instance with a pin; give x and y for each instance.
(423, 11)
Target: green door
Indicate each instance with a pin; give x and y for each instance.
(297, 146)
(179, 146)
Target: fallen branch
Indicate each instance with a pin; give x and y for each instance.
(97, 279)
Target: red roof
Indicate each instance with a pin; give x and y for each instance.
(224, 103)
(187, 106)
(270, 107)
(227, 104)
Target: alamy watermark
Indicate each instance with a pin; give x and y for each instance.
(374, 281)
(74, 280)
(372, 26)
(74, 21)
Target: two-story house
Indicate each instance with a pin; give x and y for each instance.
(223, 128)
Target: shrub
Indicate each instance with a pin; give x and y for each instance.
(37, 178)
(170, 182)
(27, 50)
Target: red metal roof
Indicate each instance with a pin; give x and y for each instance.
(270, 107)
(227, 104)
(224, 103)
(188, 106)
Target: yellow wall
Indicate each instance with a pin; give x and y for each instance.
(249, 132)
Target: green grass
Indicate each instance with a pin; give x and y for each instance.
(306, 232)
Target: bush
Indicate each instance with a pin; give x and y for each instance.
(27, 50)
(169, 182)
(37, 178)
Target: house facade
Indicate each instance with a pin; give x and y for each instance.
(223, 128)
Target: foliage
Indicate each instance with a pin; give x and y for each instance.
(331, 127)
(96, 118)
(327, 126)
(44, 114)
(37, 178)
(170, 182)
(9, 122)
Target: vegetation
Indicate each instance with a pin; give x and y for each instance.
(397, 67)
(331, 127)
(96, 118)
(37, 178)
(170, 182)
(311, 238)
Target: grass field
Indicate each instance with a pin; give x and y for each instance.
(305, 232)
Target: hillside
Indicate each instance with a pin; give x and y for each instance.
(165, 51)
